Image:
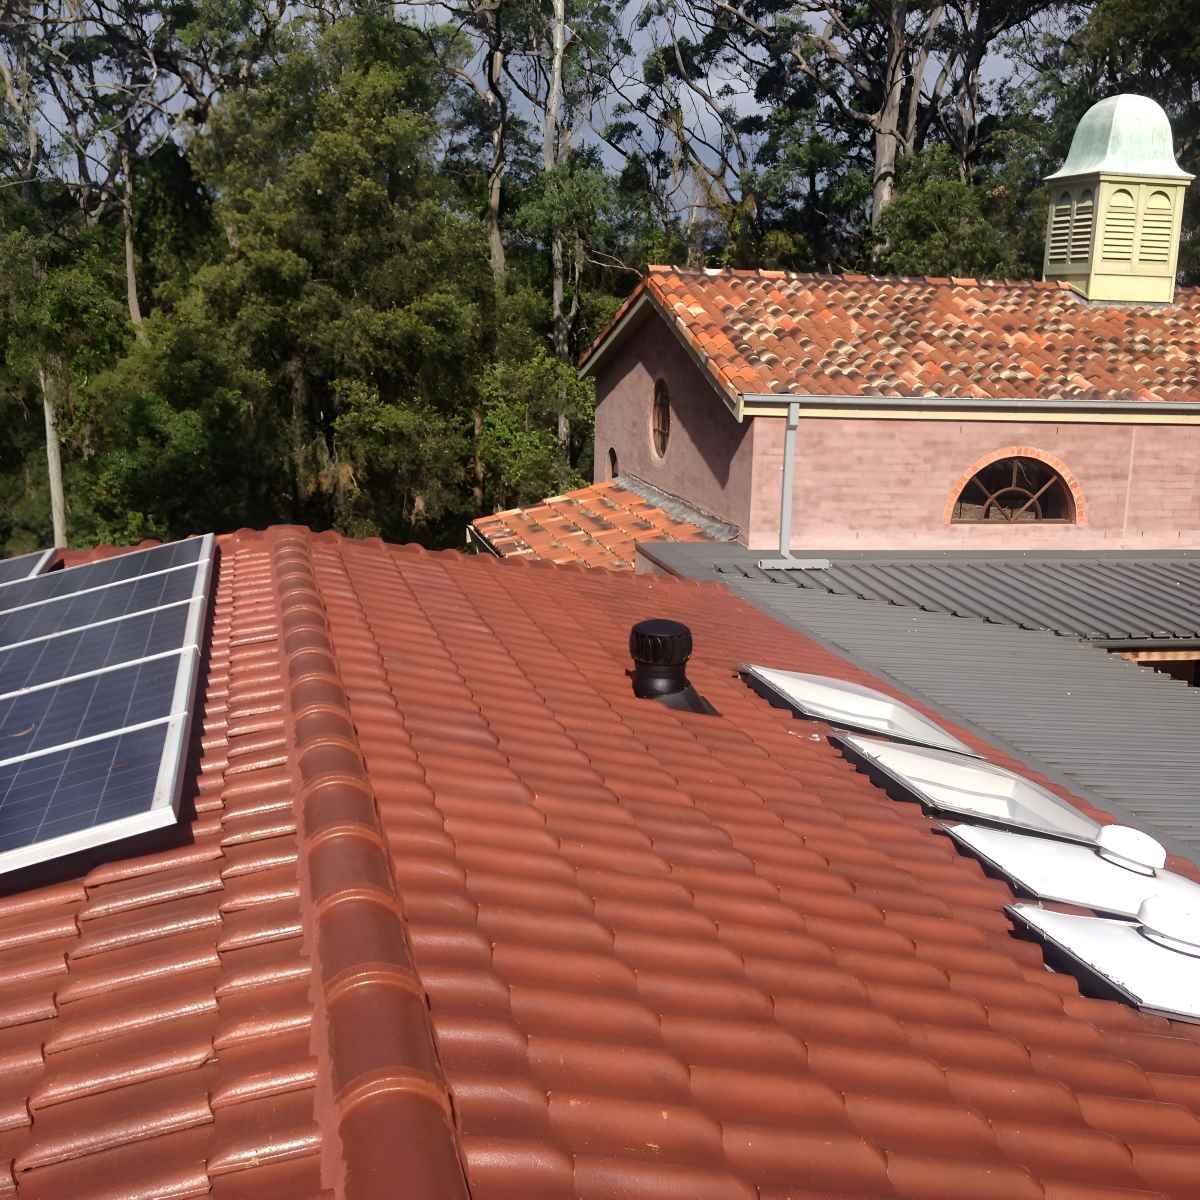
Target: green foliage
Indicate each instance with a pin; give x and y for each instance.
(521, 404)
(938, 224)
(330, 337)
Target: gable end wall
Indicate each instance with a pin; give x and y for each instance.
(709, 457)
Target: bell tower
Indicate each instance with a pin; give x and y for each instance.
(1116, 205)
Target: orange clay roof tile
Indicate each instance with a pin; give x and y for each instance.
(596, 526)
(460, 911)
(775, 332)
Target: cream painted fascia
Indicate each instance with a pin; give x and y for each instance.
(930, 408)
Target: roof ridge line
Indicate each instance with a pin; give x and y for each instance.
(374, 1032)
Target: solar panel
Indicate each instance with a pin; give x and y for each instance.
(850, 705)
(952, 783)
(59, 656)
(24, 566)
(97, 681)
(1149, 965)
(80, 709)
(1117, 874)
(74, 611)
(101, 574)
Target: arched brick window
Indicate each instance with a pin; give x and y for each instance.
(1016, 490)
(661, 418)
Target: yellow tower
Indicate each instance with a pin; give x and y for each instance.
(1115, 205)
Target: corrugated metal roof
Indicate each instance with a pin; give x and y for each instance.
(1106, 596)
(1123, 737)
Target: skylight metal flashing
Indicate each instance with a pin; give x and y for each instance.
(1117, 874)
(970, 787)
(1139, 960)
(849, 705)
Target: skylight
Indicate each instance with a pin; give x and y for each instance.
(98, 669)
(950, 783)
(849, 705)
(1121, 870)
(1153, 962)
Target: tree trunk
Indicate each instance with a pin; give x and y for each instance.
(887, 126)
(550, 160)
(477, 463)
(58, 503)
(131, 288)
(496, 167)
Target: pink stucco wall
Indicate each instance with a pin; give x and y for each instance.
(883, 484)
(708, 460)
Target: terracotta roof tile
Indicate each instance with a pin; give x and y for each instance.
(596, 526)
(774, 332)
(458, 903)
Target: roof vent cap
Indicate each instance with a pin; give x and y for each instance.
(1131, 849)
(660, 650)
(660, 643)
(1171, 922)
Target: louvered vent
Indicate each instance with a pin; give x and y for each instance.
(1081, 227)
(1060, 230)
(1118, 227)
(1154, 241)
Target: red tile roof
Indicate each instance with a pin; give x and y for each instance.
(596, 526)
(662, 955)
(858, 335)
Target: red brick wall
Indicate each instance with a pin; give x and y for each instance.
(708, 459)
(883, 484)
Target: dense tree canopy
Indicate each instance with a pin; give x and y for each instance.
(333, 262)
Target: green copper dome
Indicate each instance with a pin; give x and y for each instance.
(1123, 135)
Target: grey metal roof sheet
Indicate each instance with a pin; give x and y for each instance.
(1113, 597)
(1122, 737)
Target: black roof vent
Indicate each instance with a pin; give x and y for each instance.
(660, 650)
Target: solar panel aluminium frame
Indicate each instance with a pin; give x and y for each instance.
(43, 558)
(163, 809)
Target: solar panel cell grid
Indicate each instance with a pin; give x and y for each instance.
(24, 566)
(75, 611)
(88, 707)
(80, 788)
(99, 574)
(49, 659)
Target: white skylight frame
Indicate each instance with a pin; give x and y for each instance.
(1150, 976)
(947, 782)
(163, 810)
(1072, 873)
(850, 706)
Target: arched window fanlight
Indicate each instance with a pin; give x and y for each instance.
(661, 425)
(1016, 490)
